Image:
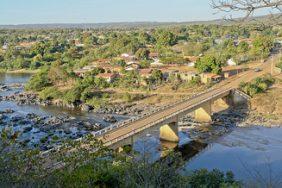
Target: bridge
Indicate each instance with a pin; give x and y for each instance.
(165, 119)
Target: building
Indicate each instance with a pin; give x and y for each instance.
(187, 76)
(210, 77)
(132, 65)
(231, 62)
(153, 55)
(127, 57)
(109, 77)
(157, 63)
(145, 73)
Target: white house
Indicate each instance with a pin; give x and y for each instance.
(5, 46)
(191, 64)
(156, 63)
(125, 55)
(231, 62)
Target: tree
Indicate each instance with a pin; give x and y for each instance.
(142, 53)
(248, 7)
(165, 38)
(57, 73)
(262, 46)
(208, 64)
(243, 47)
(39, 81)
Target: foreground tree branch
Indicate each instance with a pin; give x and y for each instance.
(248, 7)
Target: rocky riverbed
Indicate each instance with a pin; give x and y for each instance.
(45, 132)
(29, 98)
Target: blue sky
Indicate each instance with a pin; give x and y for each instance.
(100, 11)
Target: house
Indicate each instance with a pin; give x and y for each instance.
(231, 62)
(187, 76)
(191, 64)
(210, 77)
(153, 55)
(145, 73)
(132, 66)
(127, 57)
(156, 63)
(167, 73)
(26, 44)
(109, 77)
(5, 46)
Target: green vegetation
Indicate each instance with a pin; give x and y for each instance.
(208, 64)
(103, 168)
(259, 85)
(279, 65)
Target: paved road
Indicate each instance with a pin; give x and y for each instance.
(231, 83)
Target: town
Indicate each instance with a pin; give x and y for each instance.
(116, 101)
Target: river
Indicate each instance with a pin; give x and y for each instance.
(249, 152)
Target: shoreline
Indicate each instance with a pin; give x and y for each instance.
(20, 71)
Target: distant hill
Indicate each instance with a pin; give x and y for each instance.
(119, 25)
(127, 25)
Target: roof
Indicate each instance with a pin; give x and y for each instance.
(192, 58)
(153, 54)
(211, 75)
(145, 71)
(106, 75)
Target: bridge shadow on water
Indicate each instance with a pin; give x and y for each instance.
(224, 121)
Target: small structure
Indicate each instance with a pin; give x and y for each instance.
(191, 64)
(153, 55)
(157, 63)
(187, 76)
(5, 46)
(210, 77)
(145, 73)
(109, 77)
(231, 62)
(132, 65)
(127, 57)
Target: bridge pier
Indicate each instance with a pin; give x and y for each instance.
(223, 102)
(203, 114)
(169, 132)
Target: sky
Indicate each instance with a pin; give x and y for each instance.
(103, 11)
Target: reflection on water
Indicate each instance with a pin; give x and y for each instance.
(20, 78)
(245, 151)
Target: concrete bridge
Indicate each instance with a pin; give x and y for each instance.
(165, 120)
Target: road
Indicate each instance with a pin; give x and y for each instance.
(230, 83)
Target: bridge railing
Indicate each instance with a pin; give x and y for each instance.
(134, 131)
(127, 122)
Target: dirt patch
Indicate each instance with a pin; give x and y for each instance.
(269, 104)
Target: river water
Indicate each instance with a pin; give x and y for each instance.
(10, 79)
(251, 153)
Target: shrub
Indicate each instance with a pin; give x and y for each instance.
(39, 81)
(259, 85)
(49, 93)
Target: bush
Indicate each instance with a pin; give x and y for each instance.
(49, 93)
(213, 179)
(73, 95)
(259, 85)
(39, 81)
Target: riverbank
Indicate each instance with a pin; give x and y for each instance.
(20, 71)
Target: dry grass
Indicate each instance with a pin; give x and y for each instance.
(269, 103)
